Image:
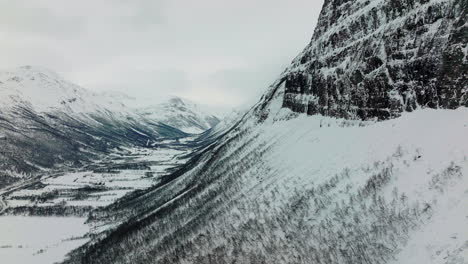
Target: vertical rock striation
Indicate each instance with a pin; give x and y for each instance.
(375, 59)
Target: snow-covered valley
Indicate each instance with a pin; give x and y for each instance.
(32, 240)
(400, 183)
(44, 218)
(356, 154)
(66, 153)
(95, 186)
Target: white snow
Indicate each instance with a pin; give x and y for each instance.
(39, 240)
(115, 185)
(445, 238)
(180, 113)
(45, 91)
(306, 151)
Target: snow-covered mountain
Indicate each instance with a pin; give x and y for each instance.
(47, 121)
(288, 185)
(45, 91)
(375, 59)
(307, 190)
(181, 114)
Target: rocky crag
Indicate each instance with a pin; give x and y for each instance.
(376, 59)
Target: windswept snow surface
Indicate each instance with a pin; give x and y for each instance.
(39, 240)
(428, 154)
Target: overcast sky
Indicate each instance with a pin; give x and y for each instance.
(215, 52)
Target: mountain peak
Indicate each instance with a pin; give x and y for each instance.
(32, 70)
(182, 114)
(176, 100)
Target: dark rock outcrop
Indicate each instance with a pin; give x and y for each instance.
(376, 59)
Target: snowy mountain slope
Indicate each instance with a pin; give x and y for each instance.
(48, 121)
(46, 91)
(228, 122)
(282, 186)
(262, 196)
(181, 114)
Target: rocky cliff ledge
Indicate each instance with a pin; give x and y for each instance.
(377, 58)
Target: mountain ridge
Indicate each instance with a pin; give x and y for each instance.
(48, 122)
(302, 179)
(181, 114)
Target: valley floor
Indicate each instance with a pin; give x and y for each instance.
(36, 240)
(44, 218)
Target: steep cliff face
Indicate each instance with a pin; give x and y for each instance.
(375, 59)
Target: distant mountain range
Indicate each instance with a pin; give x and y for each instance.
(181, 114)
(48, 122)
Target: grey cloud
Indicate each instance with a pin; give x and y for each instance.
(145, 84)
(246, 84)
(22, 17)
(148, 14)
(244, 80)
(209, 50)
